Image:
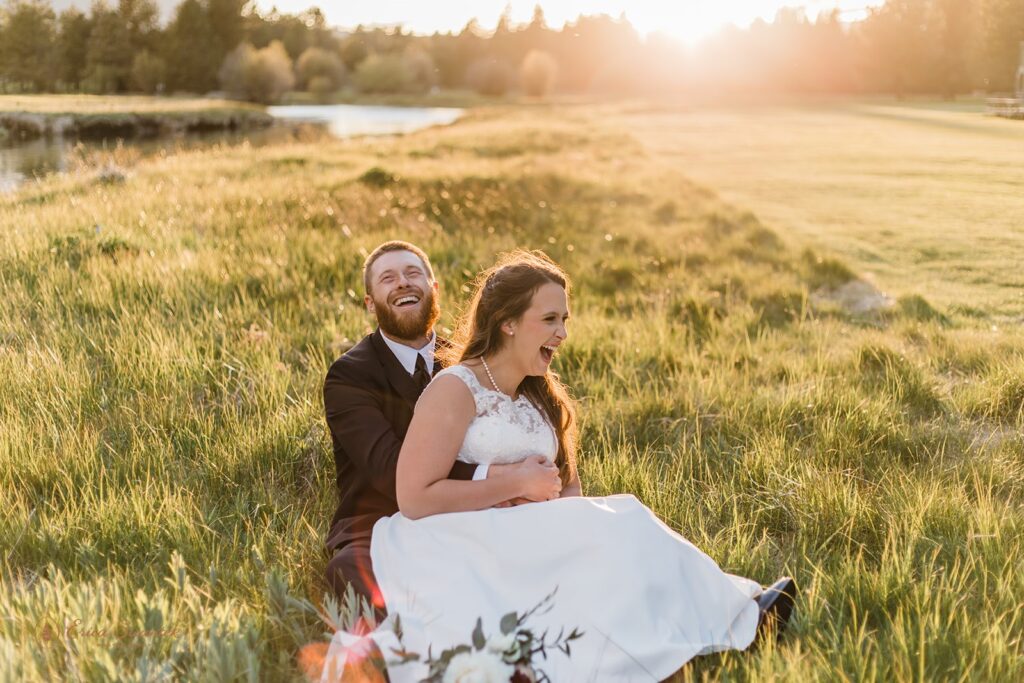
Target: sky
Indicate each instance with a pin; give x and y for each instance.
(685, 20)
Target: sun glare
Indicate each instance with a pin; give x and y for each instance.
(687, 22)
(692, 21)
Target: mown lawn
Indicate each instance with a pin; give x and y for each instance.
(164, 462)
(923, 196)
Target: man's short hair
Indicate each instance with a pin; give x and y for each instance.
(394, 245)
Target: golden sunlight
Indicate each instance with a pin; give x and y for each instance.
(690, 22)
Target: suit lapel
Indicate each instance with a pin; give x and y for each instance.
(400, 380)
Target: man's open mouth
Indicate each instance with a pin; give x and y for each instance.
(406, 301)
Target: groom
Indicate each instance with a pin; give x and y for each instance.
(369, 395)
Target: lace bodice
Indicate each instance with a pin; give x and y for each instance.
(504, 430)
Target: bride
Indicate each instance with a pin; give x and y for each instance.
(645, 598)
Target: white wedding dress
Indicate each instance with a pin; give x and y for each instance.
(646, 599)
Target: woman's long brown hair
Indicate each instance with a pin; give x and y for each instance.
(504, 292)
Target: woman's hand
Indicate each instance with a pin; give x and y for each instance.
(538, 479)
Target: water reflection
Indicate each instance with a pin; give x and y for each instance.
(21, 162)
(28, 160)
(346, 120)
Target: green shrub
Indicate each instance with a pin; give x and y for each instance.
(270, 74)
(383, 73)
(320, 65)
(260, 75)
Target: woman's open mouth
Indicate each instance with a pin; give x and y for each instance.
(547, 353)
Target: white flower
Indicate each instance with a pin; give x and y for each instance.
(477, 667)
(501, 643)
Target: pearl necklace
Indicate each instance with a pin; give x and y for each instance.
(491, 377)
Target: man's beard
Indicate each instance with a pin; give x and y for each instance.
(406, 326)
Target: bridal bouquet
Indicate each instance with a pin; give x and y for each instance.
(506, 657)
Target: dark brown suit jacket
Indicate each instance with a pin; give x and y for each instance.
(369, 400)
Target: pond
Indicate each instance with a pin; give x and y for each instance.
(347, 120)
(21, 162)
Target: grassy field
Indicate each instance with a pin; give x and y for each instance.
(126, 104)
(165, 470)
(923, 196)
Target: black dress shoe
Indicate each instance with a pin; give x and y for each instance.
(776, 605)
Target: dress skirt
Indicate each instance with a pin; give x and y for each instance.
(645, 598)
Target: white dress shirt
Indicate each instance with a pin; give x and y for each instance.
(406, 355)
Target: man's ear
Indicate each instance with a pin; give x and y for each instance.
(368, 301)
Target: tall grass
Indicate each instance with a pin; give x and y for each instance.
(167, 478)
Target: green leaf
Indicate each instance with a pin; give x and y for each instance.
(508, 623)
(478, 635)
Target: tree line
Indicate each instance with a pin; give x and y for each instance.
(903, 47)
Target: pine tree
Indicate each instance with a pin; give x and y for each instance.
(227, 25)
(192, 53)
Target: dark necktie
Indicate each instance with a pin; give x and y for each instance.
(420, 377)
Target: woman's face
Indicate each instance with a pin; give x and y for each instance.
(541, 329)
